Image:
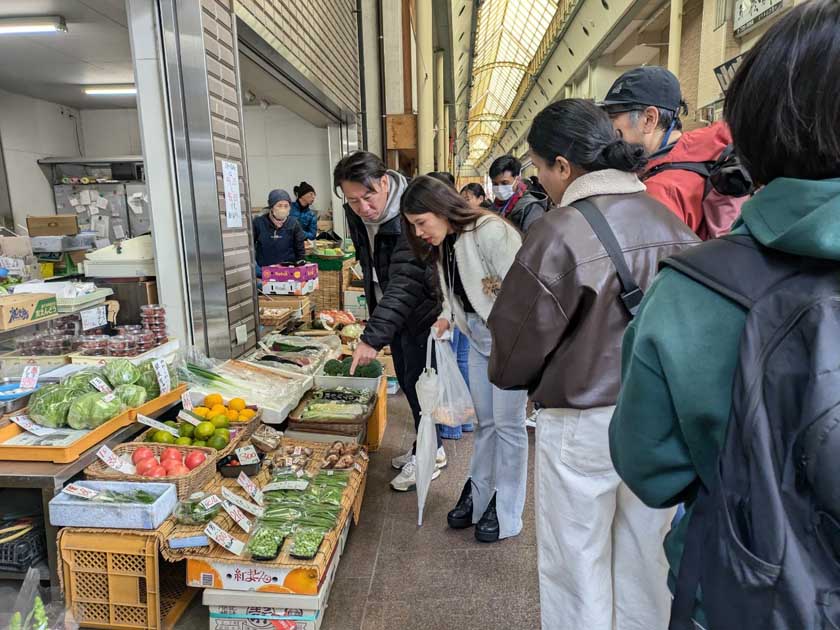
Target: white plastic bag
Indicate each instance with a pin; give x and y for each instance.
(454, 405)
(428, 394)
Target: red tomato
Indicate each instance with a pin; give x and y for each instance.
(145, 465)
(195, 459)
(171, 453)
(177, 471)
(157, 471)
(144, 452)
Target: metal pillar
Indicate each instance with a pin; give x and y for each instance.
(440, 129)
(447, 163)
(675, 37)
(425, 92)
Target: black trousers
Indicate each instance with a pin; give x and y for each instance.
(409, 354)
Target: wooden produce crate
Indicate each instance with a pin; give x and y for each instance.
(116, 580)
(378, 421)
(299, 305)
(332, 283)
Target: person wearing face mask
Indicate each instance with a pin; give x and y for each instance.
(278, 238)
(400, 289)
(302, 210)
(512, 199)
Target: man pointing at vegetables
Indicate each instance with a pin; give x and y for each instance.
(400, 289)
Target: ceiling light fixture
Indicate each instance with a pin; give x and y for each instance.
(43, 24)
(111, 90)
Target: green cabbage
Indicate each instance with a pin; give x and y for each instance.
(48, 406)
(148, 379)
(121, 372)
(131, 395)
(92, 410)
(81, 380)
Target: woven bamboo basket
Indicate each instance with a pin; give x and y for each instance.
(185, 485)
(244, 430)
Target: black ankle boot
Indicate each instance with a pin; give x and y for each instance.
(487, 529)
(461, 516)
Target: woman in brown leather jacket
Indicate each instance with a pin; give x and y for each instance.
(557, 327)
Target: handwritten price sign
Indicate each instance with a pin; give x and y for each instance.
(224, 539)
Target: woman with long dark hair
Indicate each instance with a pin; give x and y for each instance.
(473, 250)
(557, 327)
(473, 193)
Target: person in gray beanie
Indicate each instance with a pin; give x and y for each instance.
(278, 238)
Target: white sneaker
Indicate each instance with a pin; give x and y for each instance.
(440, 459)
(407, 479)
(401, 460)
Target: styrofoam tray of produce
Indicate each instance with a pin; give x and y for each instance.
(355, 382)
(71, 511)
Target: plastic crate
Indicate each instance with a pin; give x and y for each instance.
(119, 581)
(20, 554)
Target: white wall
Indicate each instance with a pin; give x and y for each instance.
(282, 150)
(32, 129)
(110, 132)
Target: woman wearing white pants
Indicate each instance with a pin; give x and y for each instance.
(473, 250)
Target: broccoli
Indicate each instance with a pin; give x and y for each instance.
(334, 367)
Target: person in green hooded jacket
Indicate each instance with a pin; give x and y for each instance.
(680, 352)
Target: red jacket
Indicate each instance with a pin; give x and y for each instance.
(682, 191)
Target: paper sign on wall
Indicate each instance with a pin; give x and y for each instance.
(102, 203)
(74, 202)
(84, 197)
(119, 232)
(233, 209)
(95, 317)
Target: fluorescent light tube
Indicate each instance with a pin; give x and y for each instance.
(111, 90)
(43, 24)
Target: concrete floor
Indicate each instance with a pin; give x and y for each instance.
(396, 575)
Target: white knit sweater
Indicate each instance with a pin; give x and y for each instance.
(484, 254)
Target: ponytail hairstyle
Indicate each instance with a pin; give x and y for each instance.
(582, 133)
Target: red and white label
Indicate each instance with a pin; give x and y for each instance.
(247, 455)
(25, 423)
(29, 379)
(101, 385)
(224, 539)
(157, 425)
(239, 502)
(80, 491)
(113, 461)
(162, 374)
(186, 401)
(250, 487)
(238, 516)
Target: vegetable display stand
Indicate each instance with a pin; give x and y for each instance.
(378, 421)
(158, 404)
(61, 447)
(334, 278)
(185, 485)
(117, 581)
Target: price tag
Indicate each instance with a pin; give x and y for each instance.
(25, 423)
(364, 454)
(186, 416)
(157, 425)
(101, 385)
(29, 380)
(357, 466)
(186, 401)
(95, 317)
(210, 502)
(300, 473)
(109, 398)
(247, 455)
(300, 484)
(237, 515)
(298, 451)
(80, 491)
(330, 473)
(110, 458)
(238, 501)
(224, 539)
(162, 373)
(250, 487)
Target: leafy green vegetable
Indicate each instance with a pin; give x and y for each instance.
(93, 409)
(131, 395)
(265, 542)
(191, 512)
(17, 622)
(148, 379)
(81, 380)
(333, 367)
(48, 406)
(121, 372)
(131, 496)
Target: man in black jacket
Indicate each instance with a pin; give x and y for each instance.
(401, 290)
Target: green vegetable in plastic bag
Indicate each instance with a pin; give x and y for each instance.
(121, 372)
(81, 380)
(48, 406)
(92, 410)
(148, 379)
(131, 395)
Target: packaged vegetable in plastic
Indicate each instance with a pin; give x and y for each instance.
(265, 542)
(131, 395)
(92, 410)
(148, 379)
(49, 405)
(121, 372)
(307, 541)
(196, 509)
(81, 380)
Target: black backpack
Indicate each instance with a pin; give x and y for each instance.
(726, 174)
(763, 543)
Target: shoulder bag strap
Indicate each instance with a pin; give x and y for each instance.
(631, 295)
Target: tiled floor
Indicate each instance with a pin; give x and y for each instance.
(396, 575)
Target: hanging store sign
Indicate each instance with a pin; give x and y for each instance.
(750, 13)
(725, 72)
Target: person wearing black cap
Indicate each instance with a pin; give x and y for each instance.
(645, 105)
(302, 210)
(278, 238)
